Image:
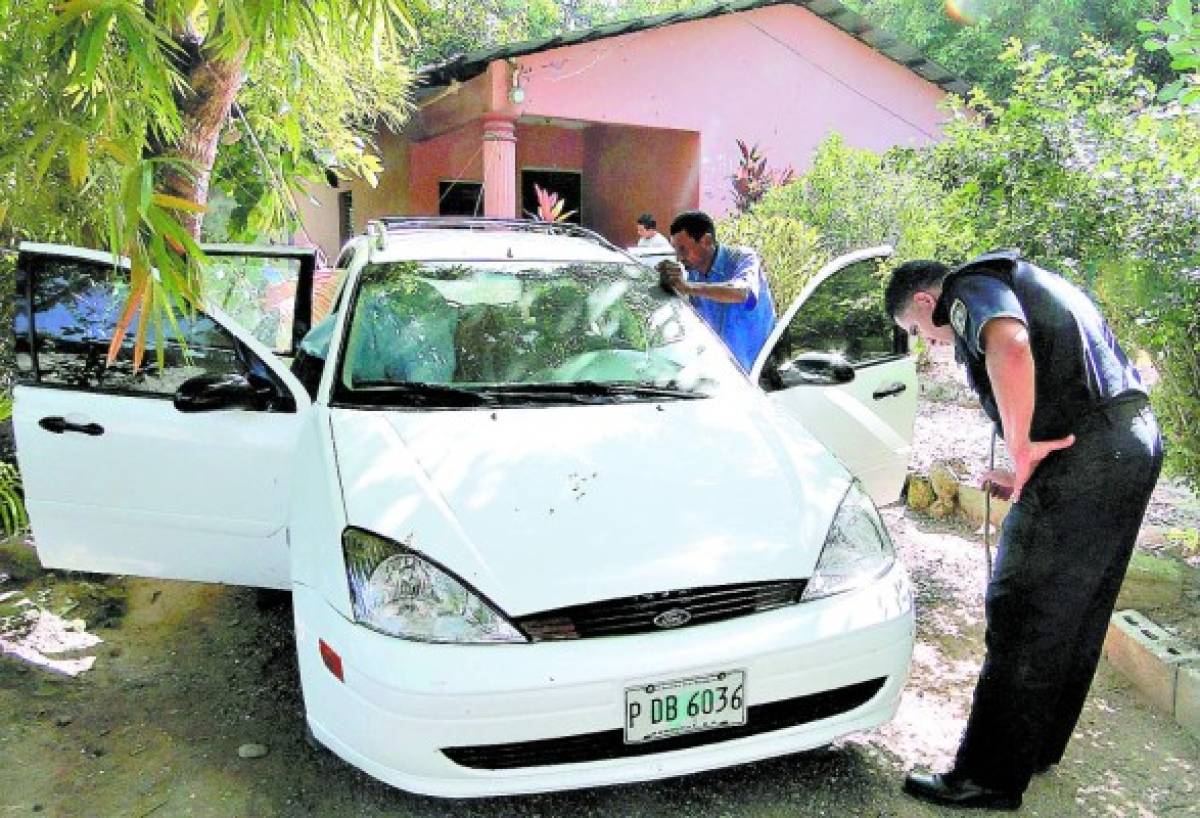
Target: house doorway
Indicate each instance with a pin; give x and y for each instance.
(568, 184)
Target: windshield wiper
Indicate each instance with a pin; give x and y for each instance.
(593, 389)
(433, 395)
(418, 393)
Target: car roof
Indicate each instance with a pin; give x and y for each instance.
(484, 243)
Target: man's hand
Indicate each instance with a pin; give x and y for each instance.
(1026, 459)
(998, 482)
(672, 276)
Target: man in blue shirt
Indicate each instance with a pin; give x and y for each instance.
(726, 285)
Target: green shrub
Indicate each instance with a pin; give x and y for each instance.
(1078, 168)
(1087, 177)
(789, 248)
(13, 518)
(855, 198)
(18, 561)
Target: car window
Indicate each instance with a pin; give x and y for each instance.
(843, 315)
(76, 305)
(313, 349)
(345, 258)
(258, 292)
(497, 324)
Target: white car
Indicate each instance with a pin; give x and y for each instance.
(540, 531)
(651, 256)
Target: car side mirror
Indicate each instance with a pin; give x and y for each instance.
(815, 369)
(211, 392)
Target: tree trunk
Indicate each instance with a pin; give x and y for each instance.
(204, 105)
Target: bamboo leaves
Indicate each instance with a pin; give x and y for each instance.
(111, 112)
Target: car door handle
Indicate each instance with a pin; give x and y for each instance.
(58, 425)
(889, 390)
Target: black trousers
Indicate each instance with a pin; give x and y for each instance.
(1062, 556)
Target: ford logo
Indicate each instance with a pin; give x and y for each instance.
(672, 618)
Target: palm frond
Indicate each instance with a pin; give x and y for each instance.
(13, 518)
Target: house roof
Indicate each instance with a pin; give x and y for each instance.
(463, 67)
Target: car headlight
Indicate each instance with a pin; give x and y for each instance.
(398, 592)
(857, 548)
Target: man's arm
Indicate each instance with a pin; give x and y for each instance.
(674, 276)
(730, 293)
(739, 289)
(1010, 368)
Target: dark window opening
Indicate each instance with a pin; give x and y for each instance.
(345, 216)
(458, 198)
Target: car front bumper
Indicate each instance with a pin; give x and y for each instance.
(518, 718)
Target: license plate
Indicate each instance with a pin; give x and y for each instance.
(665, 709)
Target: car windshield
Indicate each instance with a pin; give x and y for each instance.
(503, 332)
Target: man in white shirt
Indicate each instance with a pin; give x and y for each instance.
(648, 235)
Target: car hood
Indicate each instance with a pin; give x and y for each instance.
(543, 507)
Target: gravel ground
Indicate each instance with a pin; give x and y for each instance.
(190, 674)
(952, 429)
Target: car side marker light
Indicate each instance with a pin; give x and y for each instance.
(332, 661)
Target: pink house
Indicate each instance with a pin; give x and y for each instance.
(642, 116)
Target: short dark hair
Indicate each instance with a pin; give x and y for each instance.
(696, 223)
(909, 278)
(647, 221)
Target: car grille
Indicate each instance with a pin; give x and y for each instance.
(653, 612)
(610, 744)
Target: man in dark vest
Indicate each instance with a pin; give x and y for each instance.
(1086, 454)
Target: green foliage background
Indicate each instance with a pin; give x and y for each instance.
(1080, 168)
(450, 27)
(969, 36)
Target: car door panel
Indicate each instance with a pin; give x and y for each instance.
(866, 421)
(117, 479)
(853, 425)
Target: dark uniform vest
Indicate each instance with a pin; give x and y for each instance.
(1079, 366)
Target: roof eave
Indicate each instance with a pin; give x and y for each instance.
(463, 67)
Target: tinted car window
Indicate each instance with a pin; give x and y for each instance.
(843, 316)
(76, 307)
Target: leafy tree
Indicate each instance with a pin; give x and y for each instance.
(112, 114)
(968, 36)
(791, 250)
(450, 27)
(1179, 35)
(1080, 169)
(855, 198)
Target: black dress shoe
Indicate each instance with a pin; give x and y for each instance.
(953, 791)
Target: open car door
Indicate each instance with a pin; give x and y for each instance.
(837, 363)
(179, 471)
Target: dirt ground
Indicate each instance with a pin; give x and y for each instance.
(171, 679)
